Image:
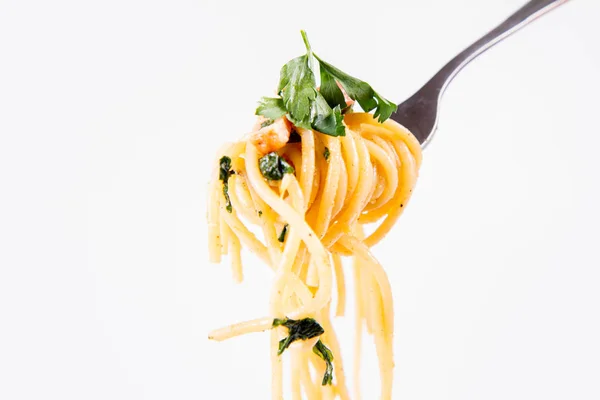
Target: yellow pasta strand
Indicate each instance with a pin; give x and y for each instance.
(340, 184)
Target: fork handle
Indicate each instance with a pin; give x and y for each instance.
(526, 14)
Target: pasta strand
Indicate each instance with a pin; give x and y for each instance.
(309, 220)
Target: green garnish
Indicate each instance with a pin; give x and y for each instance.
(321, 109)
(225, 172)
(271, 108)
(267, 122)
(357, 90)
(228, 206)
(305, 329)
(259, 213)
(224, 168)
(322, 351)
(272, 166)
(294, 137)
(326, 153)
(281, 237)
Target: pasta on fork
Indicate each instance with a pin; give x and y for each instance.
(320, 182)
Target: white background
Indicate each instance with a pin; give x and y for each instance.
(110, 116)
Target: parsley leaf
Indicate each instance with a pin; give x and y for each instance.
(297, 89)
(357, 90)
(303, 329)
(281, 237)
(320, 109)
(306, 106)
(271, 108)
(322, 351)
(224, 173)
(326, 120)
(267, 122)
(294, 137)
(331, 91)
(385, 108)
(224, 168)
(326, 153)
(272, 166)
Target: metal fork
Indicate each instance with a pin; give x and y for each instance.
(420, 112)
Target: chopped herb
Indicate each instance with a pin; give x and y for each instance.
(294, 137)
(259, 213)
(224, 168)
(297, 88)
(303, 329)
(228, 206)
(322, 351)
(326, 153)
(267, 122)
(224, 173)
(357, 90)
(279, 322)
(273, 166)
(321, 109)
(281, 237)
(271, 108)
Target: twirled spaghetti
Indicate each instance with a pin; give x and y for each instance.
(310, 219)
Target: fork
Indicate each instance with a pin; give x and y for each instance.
(419, 113)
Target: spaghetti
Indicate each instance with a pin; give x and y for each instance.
(315, 214)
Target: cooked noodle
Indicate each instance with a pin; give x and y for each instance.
(367, 177)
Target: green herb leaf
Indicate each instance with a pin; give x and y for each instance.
(360, 91)
(297, 89)
(271, 107)
(355, 88)
(294, 137)
(309, 52)
(385, 108)
(306, 106)
(326, 120)
(322, 351)
(303, 329)
(321, 109)
(281, 237)
(228, 205)
(266, 122)
(224, 173)
(279, 321)
(272, 166)
(224, 168)
(331, 91)
(326, 153)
